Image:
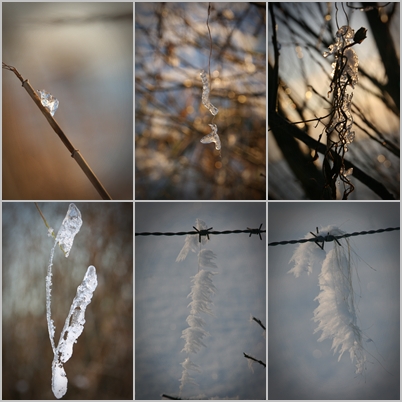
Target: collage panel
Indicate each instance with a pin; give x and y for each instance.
(200, 300)
(67, 132)
(334, 301)
(67, 298)
(334, 101)
(200, 101)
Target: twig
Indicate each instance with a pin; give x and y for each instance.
(170, 397)
(274, 102)
(47, 225)
(75, 153)
(252, 358)
(258, 321)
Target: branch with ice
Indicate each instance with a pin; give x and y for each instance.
(74, 324)
(336, 313)
(339, 129)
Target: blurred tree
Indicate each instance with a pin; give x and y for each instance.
(102, 363)
(172, 47)
(299, 80)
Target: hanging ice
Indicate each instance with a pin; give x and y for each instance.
(75, 320)
(48, 101)
(205, 94)
(212, 137)
(336, 314)
(69, 228)
(73, 328)
(74, 324)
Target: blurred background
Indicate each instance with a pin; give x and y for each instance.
(172, 47)
(304, 32)
(82, 53)
(102, 363)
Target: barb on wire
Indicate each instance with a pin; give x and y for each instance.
(205, 232)
(329, 238)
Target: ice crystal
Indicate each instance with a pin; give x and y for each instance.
(48, 101)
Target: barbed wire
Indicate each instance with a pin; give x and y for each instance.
(329, 237)
(205, 232)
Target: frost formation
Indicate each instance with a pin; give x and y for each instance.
(336, 312)
(201, 301)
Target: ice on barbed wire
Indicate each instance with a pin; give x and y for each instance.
(201, 292)
(186, 378)
(205, 259)
(69, 228)
(336, 313)
(191, 243)
(48, 101)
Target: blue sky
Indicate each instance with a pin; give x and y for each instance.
(162, 286)
(299, 366)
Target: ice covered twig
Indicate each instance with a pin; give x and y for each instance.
(73, 328)
(75, 321)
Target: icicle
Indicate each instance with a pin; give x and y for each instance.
(74, 324)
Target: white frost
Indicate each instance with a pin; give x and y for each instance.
(336, 313)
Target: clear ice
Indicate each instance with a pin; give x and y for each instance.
(205, 94)
(212, 137)
(48, 101)
(69, 228)
(74, 324)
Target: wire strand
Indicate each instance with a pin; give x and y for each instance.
(330, 237)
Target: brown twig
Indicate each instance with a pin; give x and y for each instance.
(75, 153)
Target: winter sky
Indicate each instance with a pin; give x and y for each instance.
(161, 304)
(299, 366)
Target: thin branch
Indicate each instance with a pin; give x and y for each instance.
(254, 359)
(75, 153)
(258, 321)
(274, 101)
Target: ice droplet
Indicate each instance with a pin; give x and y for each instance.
(59, 380)
(48, 101)
(69, 228)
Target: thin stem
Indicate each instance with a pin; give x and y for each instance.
(75, 153)
(274, 102)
